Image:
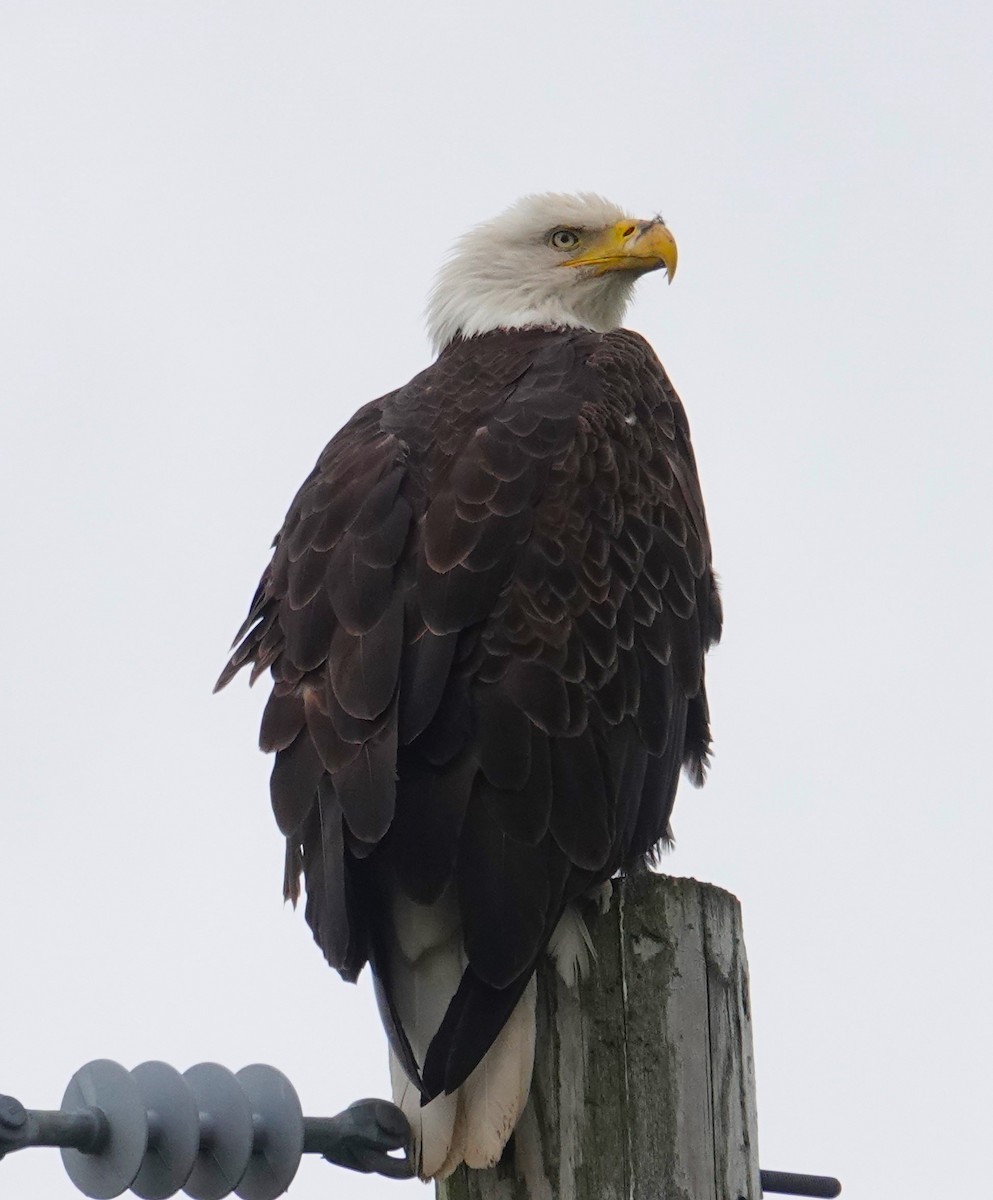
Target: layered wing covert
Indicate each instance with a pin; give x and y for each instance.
(485, 619)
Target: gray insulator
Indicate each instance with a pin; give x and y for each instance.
(208, 1132)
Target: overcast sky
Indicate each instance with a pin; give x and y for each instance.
(219, 222)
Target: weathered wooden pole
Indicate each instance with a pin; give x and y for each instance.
(644, 1086)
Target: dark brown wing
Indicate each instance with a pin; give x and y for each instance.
(486, 618)
(328, 619)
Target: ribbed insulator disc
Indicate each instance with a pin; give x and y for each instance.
(226, 1132)
(108, 1086)
(279, 1132)
(173, 1133)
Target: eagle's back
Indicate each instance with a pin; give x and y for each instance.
(485, 617)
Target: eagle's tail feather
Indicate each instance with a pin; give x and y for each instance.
(426, 967)
(432, 1125)
(494, 1095)
(473, 1123)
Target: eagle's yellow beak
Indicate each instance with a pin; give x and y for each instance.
(629, 246)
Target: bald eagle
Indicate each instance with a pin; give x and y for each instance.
(485, 618)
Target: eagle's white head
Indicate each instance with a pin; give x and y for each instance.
(569, 261)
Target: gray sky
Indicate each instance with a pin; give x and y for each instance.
(218, 224)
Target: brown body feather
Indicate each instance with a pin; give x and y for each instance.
(486, 617)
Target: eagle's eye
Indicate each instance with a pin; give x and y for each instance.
(563, 239)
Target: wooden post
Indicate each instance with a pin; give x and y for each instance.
(644, 1085)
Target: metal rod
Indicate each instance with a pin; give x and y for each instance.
(87, 1130)
(786, 1183)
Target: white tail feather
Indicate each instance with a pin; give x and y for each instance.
(494, 1095)
(427, 964)
(472, 1124)
(432, 1125)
